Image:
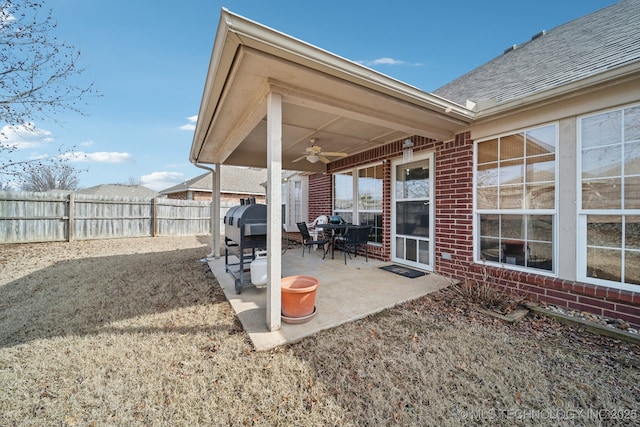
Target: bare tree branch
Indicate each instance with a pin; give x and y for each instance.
(36, 77)
(44, 178)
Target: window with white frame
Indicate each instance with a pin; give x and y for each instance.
(297, 202)
(515, 199)
(294, 202)
(366, 207)
(343, 195)
(609, 209)
(370, 185)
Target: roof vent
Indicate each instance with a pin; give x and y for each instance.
(510, 48)
(540, 34)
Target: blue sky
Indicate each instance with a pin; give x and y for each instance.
(149, 59)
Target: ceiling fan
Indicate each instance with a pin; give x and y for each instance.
(315, 153)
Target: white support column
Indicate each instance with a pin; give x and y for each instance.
(215, 206)
(274, 209)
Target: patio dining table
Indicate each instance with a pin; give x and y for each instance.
(336, 229)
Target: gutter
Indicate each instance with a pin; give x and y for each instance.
(214, 225)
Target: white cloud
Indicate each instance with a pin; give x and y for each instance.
(24, 136)
(191, 125)
(161, 180)
(38, 156)
(5, 16)
(97, 157)
(86, 143)
(386, 61)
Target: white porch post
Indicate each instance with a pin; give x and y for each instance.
(274, 208)
(215, 205)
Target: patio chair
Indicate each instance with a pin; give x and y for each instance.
(308, 241)
(313, 231)
(337, 236)
(354, 238)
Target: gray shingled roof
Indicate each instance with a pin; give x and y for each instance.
(232, 180)
(199, 183)
(600, 41)
(120, 190)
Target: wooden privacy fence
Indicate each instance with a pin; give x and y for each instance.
(45, 217)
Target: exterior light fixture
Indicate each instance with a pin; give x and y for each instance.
(313, 158)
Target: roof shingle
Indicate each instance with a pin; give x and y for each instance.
(592, 44)
(233, 179)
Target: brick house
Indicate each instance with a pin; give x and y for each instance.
(235, 184)
(242, 183)
(526, 168)
(120, 190)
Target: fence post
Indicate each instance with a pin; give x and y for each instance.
(70, 217)
(154, 216)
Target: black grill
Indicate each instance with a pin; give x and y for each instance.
(245, 230)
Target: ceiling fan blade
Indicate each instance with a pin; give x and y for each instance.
(299, 158)
(323, 159)
(334, 154)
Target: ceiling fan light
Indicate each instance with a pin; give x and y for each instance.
(313, 158)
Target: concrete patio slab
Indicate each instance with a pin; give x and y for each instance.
(346, 293)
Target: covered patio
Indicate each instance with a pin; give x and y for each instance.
(346, 293)
(269, 97)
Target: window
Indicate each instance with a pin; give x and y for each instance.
(297, 202)
(343, 195)
(366, 209)
(370, 200)
(294, 201)
(609, 209)
(515, 199)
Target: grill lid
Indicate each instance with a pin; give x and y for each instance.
(238, 216)
(228, 218)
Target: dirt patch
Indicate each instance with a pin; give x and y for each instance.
(137, 332)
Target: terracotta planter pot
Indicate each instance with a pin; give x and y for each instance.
(298, 295)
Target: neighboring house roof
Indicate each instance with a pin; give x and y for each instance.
(119, 190)
(603, 40)
(199, 183)
(236, 180)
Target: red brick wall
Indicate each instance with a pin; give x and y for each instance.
(235, 198)
(454, 236)
(201, 195)
(206, 196)
(454, 210)
(600, 300)
(454, 230)
(320, 195)
(320, 186)
(196, 195)
(180, 196)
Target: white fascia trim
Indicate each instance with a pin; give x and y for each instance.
(222, 57)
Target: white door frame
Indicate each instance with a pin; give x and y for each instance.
(429, 156)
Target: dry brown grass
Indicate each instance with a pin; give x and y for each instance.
(136, 332)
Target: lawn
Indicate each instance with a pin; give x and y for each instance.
(137, 332)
